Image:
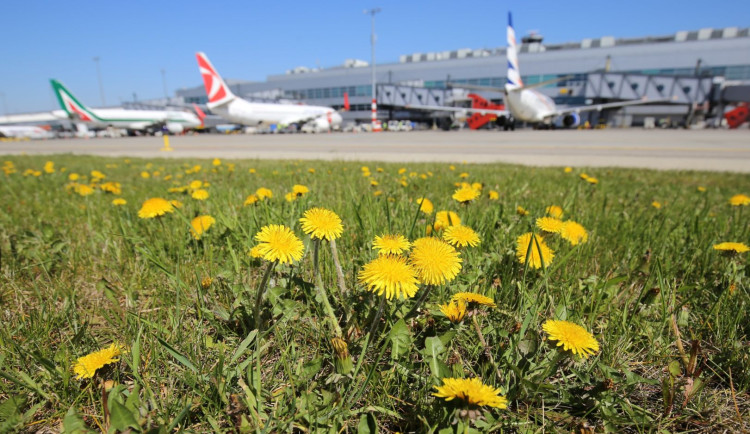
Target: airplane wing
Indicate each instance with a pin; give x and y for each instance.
(438, 108)
(600, 107)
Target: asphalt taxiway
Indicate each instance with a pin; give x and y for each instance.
(713, 150)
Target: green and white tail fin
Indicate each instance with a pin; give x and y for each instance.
(74, 108)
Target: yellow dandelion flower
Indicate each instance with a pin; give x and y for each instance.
(49, 167)
(311, 170)
(74, 177)
(521, 211)
(97, 174)
(549, 224)
(365, 169)
(465, 194)
(391, 275)
(321, 223)
(401, 171)
(86, 366)
(403, 183)
(454, 311)
(216, 162)
(461, 236)
(300, 190)
(206, 282)
(425, 205)
(251, 200)
(155, 207)
(391, 244)
(555, 211)
(119, 202)
(279, 243)
(255, 252)
(374, 183)
(584, 176)
(731, 247)
(574, 232)
(176, 203)
(263, 193)
(472, 392)
(444, 219)
(477, 186)
(571, 337)
(701, 189)
(473, 298)
(111, 187)
(656, 204)
(568, 169)
(290, 197)
(524, 244)
(739, 200)
(145, 175)
(200, 194)
(436, 261)
(592, 180)
(377, 193)
(200, 225)
(493, 195)
(194, 185)
(463, 175)
(84, 190)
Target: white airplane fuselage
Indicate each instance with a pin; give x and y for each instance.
(528, 105)
(175, 121)
(252, 114)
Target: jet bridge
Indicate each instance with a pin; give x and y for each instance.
(688, 90)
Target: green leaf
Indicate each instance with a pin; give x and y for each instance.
(180, 358)
(367, 424)
(400, 338)
(243, 346)
(73, 424)
(433, 352)
(311, 368)
(674, 368)
(120, 418)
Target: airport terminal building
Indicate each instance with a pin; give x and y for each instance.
(706, 53)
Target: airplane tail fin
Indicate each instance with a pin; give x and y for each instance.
(73, 108)
(514, 81)
(346, 102)
(217, 91)
(200, 114)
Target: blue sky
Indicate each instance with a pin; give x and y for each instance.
(250, 40)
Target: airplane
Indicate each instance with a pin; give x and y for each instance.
(529, 105)
(24, 132)
(223, 102)
(132, 120)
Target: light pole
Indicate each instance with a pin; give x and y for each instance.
(375, 123)
(99, 75)
(164, 82)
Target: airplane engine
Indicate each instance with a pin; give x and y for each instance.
(317, 125)
(571, 120)
(175, 128)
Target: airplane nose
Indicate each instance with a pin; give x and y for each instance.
(337, 119)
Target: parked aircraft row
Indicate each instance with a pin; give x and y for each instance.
(523, 103)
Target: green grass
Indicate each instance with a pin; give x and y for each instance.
(78, 273)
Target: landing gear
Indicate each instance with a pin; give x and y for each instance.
(509, 124)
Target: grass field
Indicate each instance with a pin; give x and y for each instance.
(214, 339)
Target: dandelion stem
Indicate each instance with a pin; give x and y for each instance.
(316, 260)
(261, 290)
(327, 306)
(375, 320)
(419, 302)
(339, 270)
(414, 221)
(487, 350)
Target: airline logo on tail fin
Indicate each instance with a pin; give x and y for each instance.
(514, 75)
(70, 103)
(216, 89)
(201, 115)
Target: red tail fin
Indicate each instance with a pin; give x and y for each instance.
(346, 101)
(199, 112)
(216, 89)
